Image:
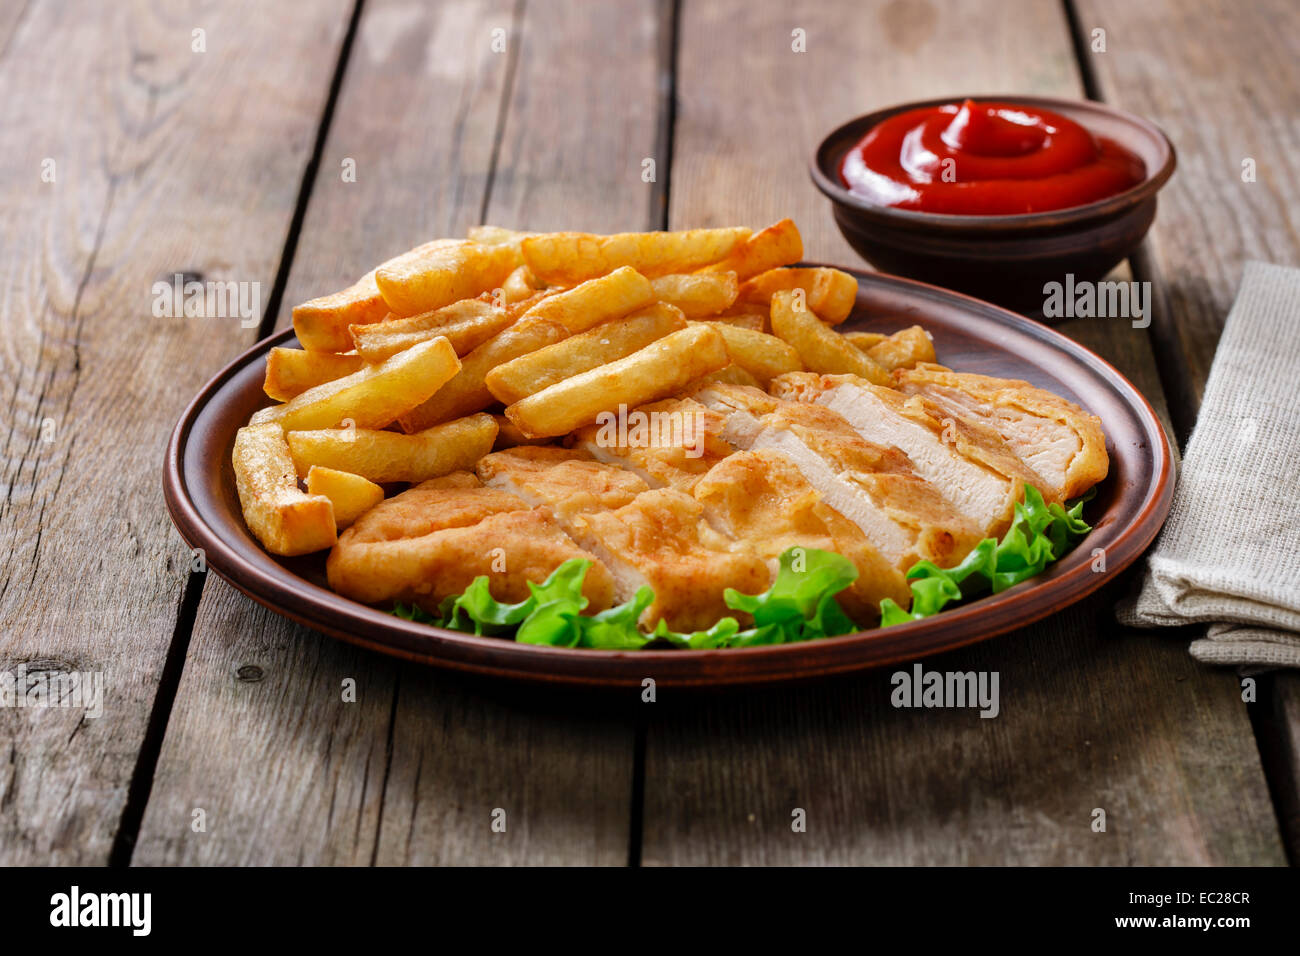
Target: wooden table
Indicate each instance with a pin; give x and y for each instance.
(222, 155)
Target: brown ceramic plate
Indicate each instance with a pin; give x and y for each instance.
(969, 335)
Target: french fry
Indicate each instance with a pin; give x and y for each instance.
(508, 436)
(597, 300)
(731, 374)
(444, 274)
(864, 340)
(497, 236)
(778, 245)
(660, 369)
(466, 324)
(373, 397)
(468, 392)
(829, 293)
(696, 294)
(745, 320)
(567, 258)
(351, 495)
(281, 516)
(381, 456)
(821, 348)
(322, 324)
(904, 349)
(763, 356)
(612, 340)
(519, 285)
(291, 372)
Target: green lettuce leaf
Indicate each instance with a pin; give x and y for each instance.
(1039, 534)
(799, 606)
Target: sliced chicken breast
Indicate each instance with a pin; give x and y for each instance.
(668, 444)
(761, 498)
(433, 540)
(661, 539)
(565, 480)
(971, 463)
(1056, 438)
(905, 517)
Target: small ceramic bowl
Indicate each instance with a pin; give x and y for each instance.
(1002, 259)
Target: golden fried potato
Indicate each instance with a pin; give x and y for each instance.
(697, 295)
(829, 293)
(778, 245)
(745, 320)
(763, 356)
(322, 324)
(596, 300)
(731, 374)
(443, 274)
(281, 516)
(660, 369)
(611, 340)
(904, 349)
(468, 391)
(291, 372)
(373, 397)
(391, 456)
(509, 436)
(467, 324)
(351, 495)
(519, 285)
(864, 340)
(822, 349)
(567, 258)
(497, 236)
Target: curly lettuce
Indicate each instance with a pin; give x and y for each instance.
(799, 606)
(1039, 534)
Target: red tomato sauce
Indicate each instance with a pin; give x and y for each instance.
(986, 159)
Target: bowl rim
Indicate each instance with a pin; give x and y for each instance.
(828, 182)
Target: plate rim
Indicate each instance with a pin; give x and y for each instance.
(327, 612)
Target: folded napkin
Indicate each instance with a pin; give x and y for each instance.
(1230, 551)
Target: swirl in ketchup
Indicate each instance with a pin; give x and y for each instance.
(986, 159)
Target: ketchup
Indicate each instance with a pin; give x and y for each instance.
(986, 159)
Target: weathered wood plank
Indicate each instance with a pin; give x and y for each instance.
(1090, 717)
(1223, 81)
(159, 159)
(413, 771)
(582, 115)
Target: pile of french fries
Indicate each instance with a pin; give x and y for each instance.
(458, 346)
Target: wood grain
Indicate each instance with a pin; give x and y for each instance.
(750, 110)
(165, 160)
(1092, 716)
(413, 772)
(1221, 80)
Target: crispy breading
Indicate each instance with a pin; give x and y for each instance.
(762, 499)
(566, 480)
(661, 539)
(434, 539)
(669, 443)
(969, 461)
(905, 517)
(1056, 438)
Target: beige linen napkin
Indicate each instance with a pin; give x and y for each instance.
(1230, 551)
